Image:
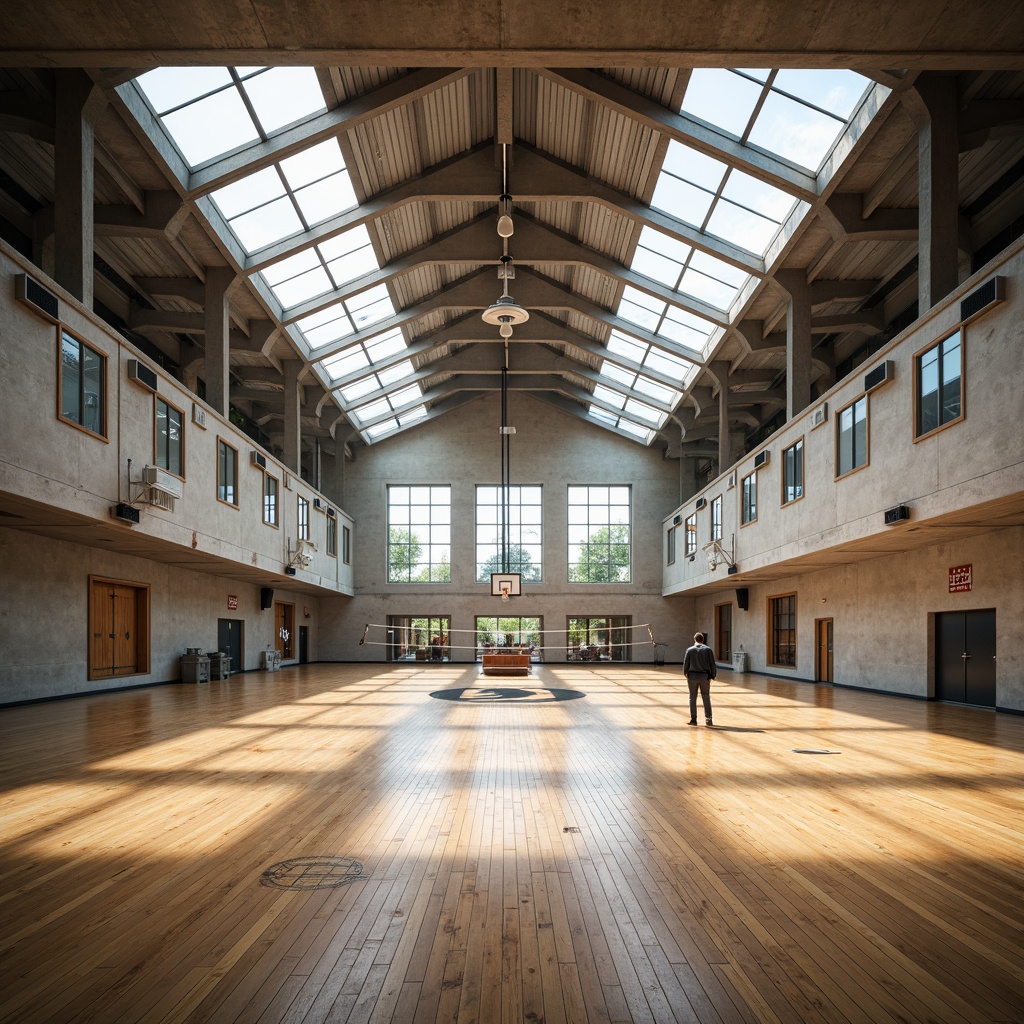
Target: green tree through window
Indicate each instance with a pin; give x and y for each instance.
(519, 560)
(604, 557)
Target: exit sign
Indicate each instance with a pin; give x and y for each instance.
(959, 578)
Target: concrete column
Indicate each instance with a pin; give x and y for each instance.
(720, 369)
(938, 150)
(292, 456)
(688, 477)
(74, 182)
(218, 347)
(332, 483)
(798, 340)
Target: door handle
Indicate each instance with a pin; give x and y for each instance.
(965, 655)
(113, 636)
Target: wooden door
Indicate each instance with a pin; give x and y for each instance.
(823, 656)
(284, 630)
(115, 647)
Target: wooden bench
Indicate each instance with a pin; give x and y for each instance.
(506, 664)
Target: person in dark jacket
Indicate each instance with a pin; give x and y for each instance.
(699, 669)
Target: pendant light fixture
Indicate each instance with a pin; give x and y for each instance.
(505, 313)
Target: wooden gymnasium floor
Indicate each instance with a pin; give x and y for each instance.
(585, 860)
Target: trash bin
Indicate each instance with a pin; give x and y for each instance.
(220, 664)
(739, 661)
(271, 661)
(195, 667)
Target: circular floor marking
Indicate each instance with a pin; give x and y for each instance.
(506, 695)
(312, 873)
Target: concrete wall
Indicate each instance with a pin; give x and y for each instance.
(550, 448)
(977, 460)
(44, 616)
(883, 599)
(49, 461)
(883, 615)
(65, 480)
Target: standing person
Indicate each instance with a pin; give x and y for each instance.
(699, 668)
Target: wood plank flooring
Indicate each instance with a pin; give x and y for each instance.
(586, 860)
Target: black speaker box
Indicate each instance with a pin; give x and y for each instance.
(266, 598)
(743, 598)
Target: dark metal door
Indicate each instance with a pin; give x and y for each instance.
(229, 639)
(303, 644)
(980, 663)
(965, 657)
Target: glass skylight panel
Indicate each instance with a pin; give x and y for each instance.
(682, 200)
(379, 429)
(668, 365)
(719, 269)
(742, 227)
(645, 412)
(204, 112)
(688, 164)
(657, 392)
(371, 306)
(795, 131)
(707, 289)
(358, 390)
(347, 362)
(282, 96)
(837, 91)
(628, 347)
(640, 308)
(603, 416)
(609, 397)
(313, 164)
(722, 98)
(643, 433)
(266, 224)
(370, 410)
(617, 374)
(210, 126)
(167, 88)
(404, 396)
(326, 198)
(325, 326)
(684, 328)
(395, 373)
(386, 345)
(349, 255)
(757, 195)
(249, 193)
(302, 287)
(412, 415)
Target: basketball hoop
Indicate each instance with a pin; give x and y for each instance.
(504, 593)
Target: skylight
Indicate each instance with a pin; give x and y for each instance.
(687, 270)
(341, 319)
(212, 111)
(794, 113)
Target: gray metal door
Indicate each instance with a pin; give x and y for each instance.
(229, 639)
(965, 657)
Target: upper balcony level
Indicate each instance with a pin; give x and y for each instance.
(101, 447)
(923, 442)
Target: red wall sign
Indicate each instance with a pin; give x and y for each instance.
(959, 578)
(233, 602)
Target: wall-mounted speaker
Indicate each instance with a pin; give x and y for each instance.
(266, 598)
(743, 598)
